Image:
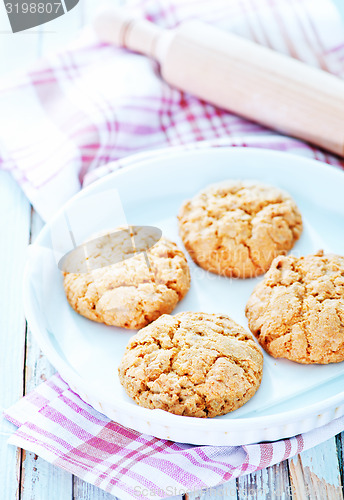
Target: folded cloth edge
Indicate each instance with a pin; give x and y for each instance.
(253, 457)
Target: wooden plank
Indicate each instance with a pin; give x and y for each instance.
(340, 452)
(272, 483)
(86, 491)
(39, 476)
(14, 230)
(315, 473)
(227, 490)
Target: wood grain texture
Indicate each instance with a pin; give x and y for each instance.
(340, 453)
(14, 231)
(86, 491)
(315, 474)
(228, 490)
(272, 483)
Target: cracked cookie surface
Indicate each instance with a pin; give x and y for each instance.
(192, 364)
(297, 311)
(129, 293)
(237, 228)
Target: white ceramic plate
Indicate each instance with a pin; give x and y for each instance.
(293, 398)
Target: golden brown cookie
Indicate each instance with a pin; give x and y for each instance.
(193, 364)
(297, 311)
(134, 291)
(237, 228)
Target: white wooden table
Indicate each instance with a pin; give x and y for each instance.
(315, 474)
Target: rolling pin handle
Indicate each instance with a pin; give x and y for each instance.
(123, 29)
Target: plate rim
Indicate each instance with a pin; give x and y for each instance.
(154, 416)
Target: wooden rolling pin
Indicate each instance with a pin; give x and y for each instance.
(238, 75)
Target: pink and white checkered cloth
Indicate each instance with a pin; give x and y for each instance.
(77, 116)
(57, 425)
(62, 122)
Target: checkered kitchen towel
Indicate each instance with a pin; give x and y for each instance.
(63, 121)
(57, 425)
(76, 117)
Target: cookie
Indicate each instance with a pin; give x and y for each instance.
(237, 228)
(297, 311)
(192, 364)
(135, 290)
